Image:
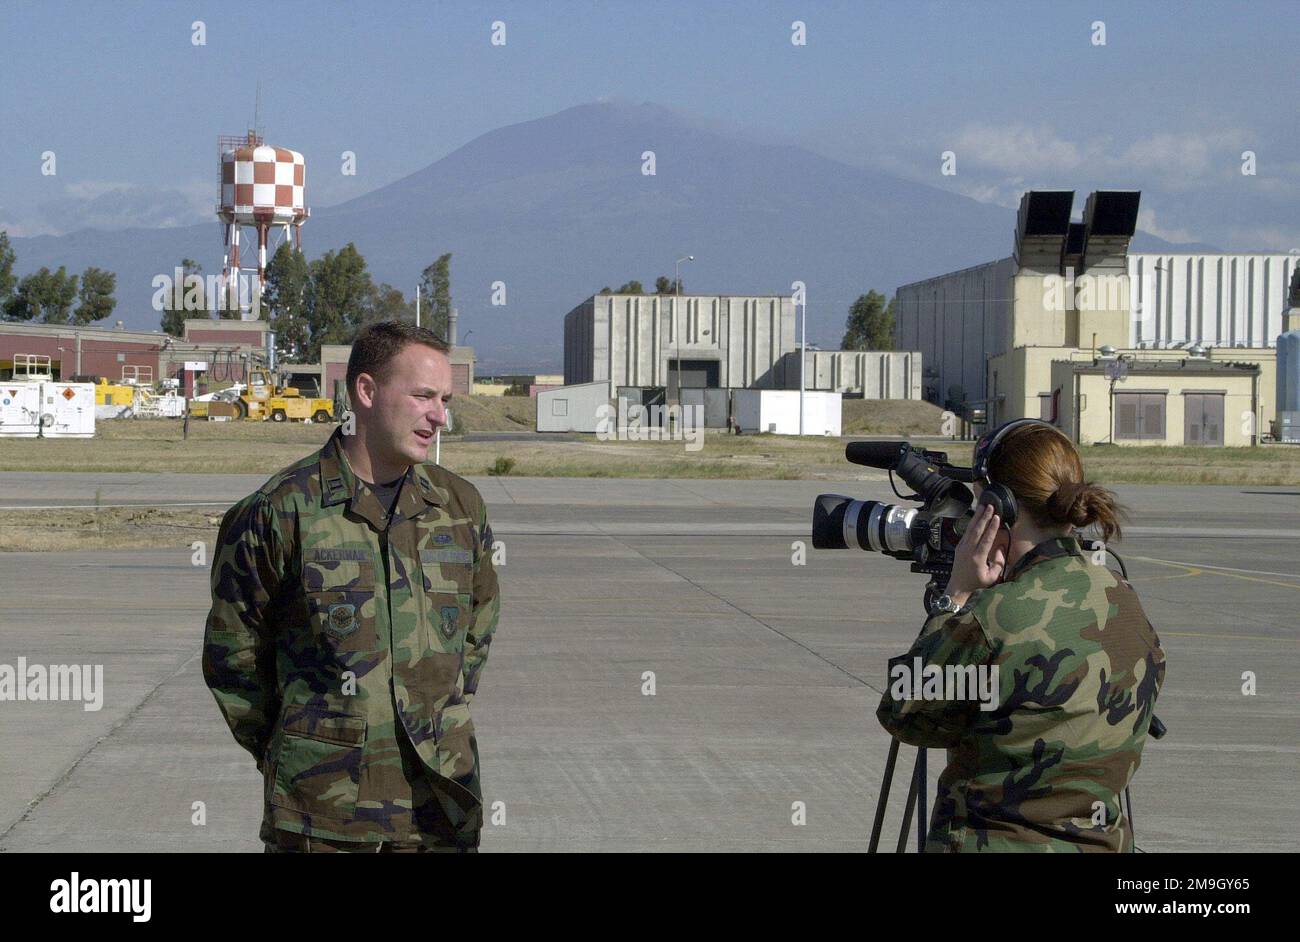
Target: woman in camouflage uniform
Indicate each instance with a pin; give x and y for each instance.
(1072, 663)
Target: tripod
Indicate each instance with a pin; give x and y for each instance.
(916, 796)
(917, 789)
(915, 801)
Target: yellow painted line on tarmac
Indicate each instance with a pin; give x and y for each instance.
(1216, 571)
(1210, 634)
(1191, 571)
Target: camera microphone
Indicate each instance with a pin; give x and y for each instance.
(882, 455)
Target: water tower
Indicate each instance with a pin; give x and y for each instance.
(261, 187)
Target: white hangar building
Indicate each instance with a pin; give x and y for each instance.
(1071, 292)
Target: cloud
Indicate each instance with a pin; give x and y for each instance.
(101, 204)
(1174, 159)
(16, 229)
(1147, 223)
(1275, 178)
(1185, 160)
(1017, 149)
(1267, 238)
(1194, 175)
(1005, 193)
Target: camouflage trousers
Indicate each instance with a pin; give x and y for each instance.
(287, 842)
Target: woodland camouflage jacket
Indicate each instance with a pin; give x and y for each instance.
(1079, 668)
(344, 648)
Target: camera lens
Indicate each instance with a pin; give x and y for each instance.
(844, 523)
(888, 528)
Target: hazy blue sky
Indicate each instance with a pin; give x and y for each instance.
(1018, 92)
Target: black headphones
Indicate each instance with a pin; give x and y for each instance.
(998, 496)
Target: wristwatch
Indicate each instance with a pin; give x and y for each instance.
(945, 603)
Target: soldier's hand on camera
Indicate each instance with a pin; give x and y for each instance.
(980, 556)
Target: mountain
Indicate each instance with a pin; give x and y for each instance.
(558, 207)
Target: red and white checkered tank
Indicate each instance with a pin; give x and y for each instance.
(262, 184)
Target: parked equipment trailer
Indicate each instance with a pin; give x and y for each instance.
(265, 399)
(34, 404)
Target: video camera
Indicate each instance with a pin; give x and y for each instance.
(927, 536)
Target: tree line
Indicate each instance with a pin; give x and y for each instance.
(328, 300)
(325, 301)
(663, 285)
(54, 297)
(307, 304)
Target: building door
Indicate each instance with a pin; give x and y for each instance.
(1203, 419)
(694, 373)
(1140, 417)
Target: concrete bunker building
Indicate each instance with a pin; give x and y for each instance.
(647, 347)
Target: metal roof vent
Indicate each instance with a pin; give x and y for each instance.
(1042, 225)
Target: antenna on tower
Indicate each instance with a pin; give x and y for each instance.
(257, 110)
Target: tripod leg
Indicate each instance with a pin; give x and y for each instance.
(1128, 800)
(917, 774)
(922, 819)
(883, 800)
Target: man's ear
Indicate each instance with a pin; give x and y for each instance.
(365, 390)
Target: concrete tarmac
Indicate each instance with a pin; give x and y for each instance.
(767, 673)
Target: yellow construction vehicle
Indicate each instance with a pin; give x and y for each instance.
(265, 399)
(114, 400)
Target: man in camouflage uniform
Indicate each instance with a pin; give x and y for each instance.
(1079, 668)
(351, 621)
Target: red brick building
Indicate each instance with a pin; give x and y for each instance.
(215, 352)
(218, 350)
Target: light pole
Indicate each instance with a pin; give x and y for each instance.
(803, 356)
(677, 286)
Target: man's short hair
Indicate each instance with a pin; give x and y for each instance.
(378, 343)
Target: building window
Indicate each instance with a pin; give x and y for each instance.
(559, 407)
(1140, 417)
(1045, 406)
